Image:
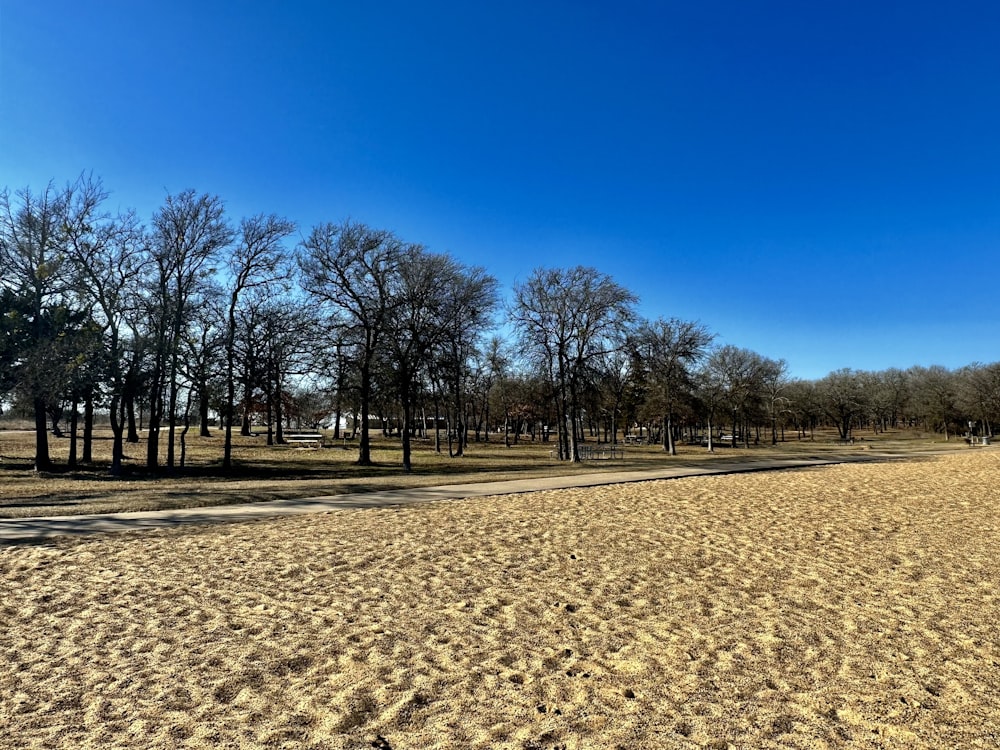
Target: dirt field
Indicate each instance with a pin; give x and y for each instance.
(852, 606)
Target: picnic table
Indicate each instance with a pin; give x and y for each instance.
(601, 452)
(313, 439)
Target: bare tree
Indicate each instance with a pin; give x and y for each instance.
(774, 381)
(188, 233)
(416, 325)
(466, 314)
(738, 373)
(566, 319)
(255, 263)
(288, 336)
(803, 406)
(349, 269)
(843, 398)
(978, 392)
(342, 389)
(202, 347)
(934, 397)
(666, 352)
(498, 359)
(109, 257)
(886, 393)
(710, 390)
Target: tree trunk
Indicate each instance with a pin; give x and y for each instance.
(569, 429)
(364, 447)
(574, 423)
(278, 407)
(171, 419)
(117, 419)
(88, 429)
(184, 431)
(227, 440)
(562, 433)
(153, 423)
(437, 428)
(404, 431)
(74, 419)
(269, 410)
(459, 421)
(230, 407)
(468, 417)
(203, 430)
(42, 460)
(246, 422)
(153, 442)
(133, 430)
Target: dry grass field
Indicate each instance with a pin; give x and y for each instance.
(849, 606)
(266, 473)
(262, 473)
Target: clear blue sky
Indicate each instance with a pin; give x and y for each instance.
(819, 182)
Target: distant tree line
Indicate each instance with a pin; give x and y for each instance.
(163, 325)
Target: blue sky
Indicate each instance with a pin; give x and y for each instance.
(819, 182)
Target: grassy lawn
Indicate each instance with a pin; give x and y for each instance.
(264, 473)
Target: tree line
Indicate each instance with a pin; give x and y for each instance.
(162, 325)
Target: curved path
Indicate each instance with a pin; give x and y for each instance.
(29, 530)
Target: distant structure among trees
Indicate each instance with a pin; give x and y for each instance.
(195, 318)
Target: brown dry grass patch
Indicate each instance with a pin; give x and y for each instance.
(264, 473)
(849, 606)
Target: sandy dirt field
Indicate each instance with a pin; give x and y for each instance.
(851, 606)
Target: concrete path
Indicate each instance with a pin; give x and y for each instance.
(28, 530)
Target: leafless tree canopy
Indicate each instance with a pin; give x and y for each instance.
(192, 317)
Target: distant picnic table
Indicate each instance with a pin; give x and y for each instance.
(314, 439)
(601, 452)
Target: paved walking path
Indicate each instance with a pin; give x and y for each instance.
(27, 530)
